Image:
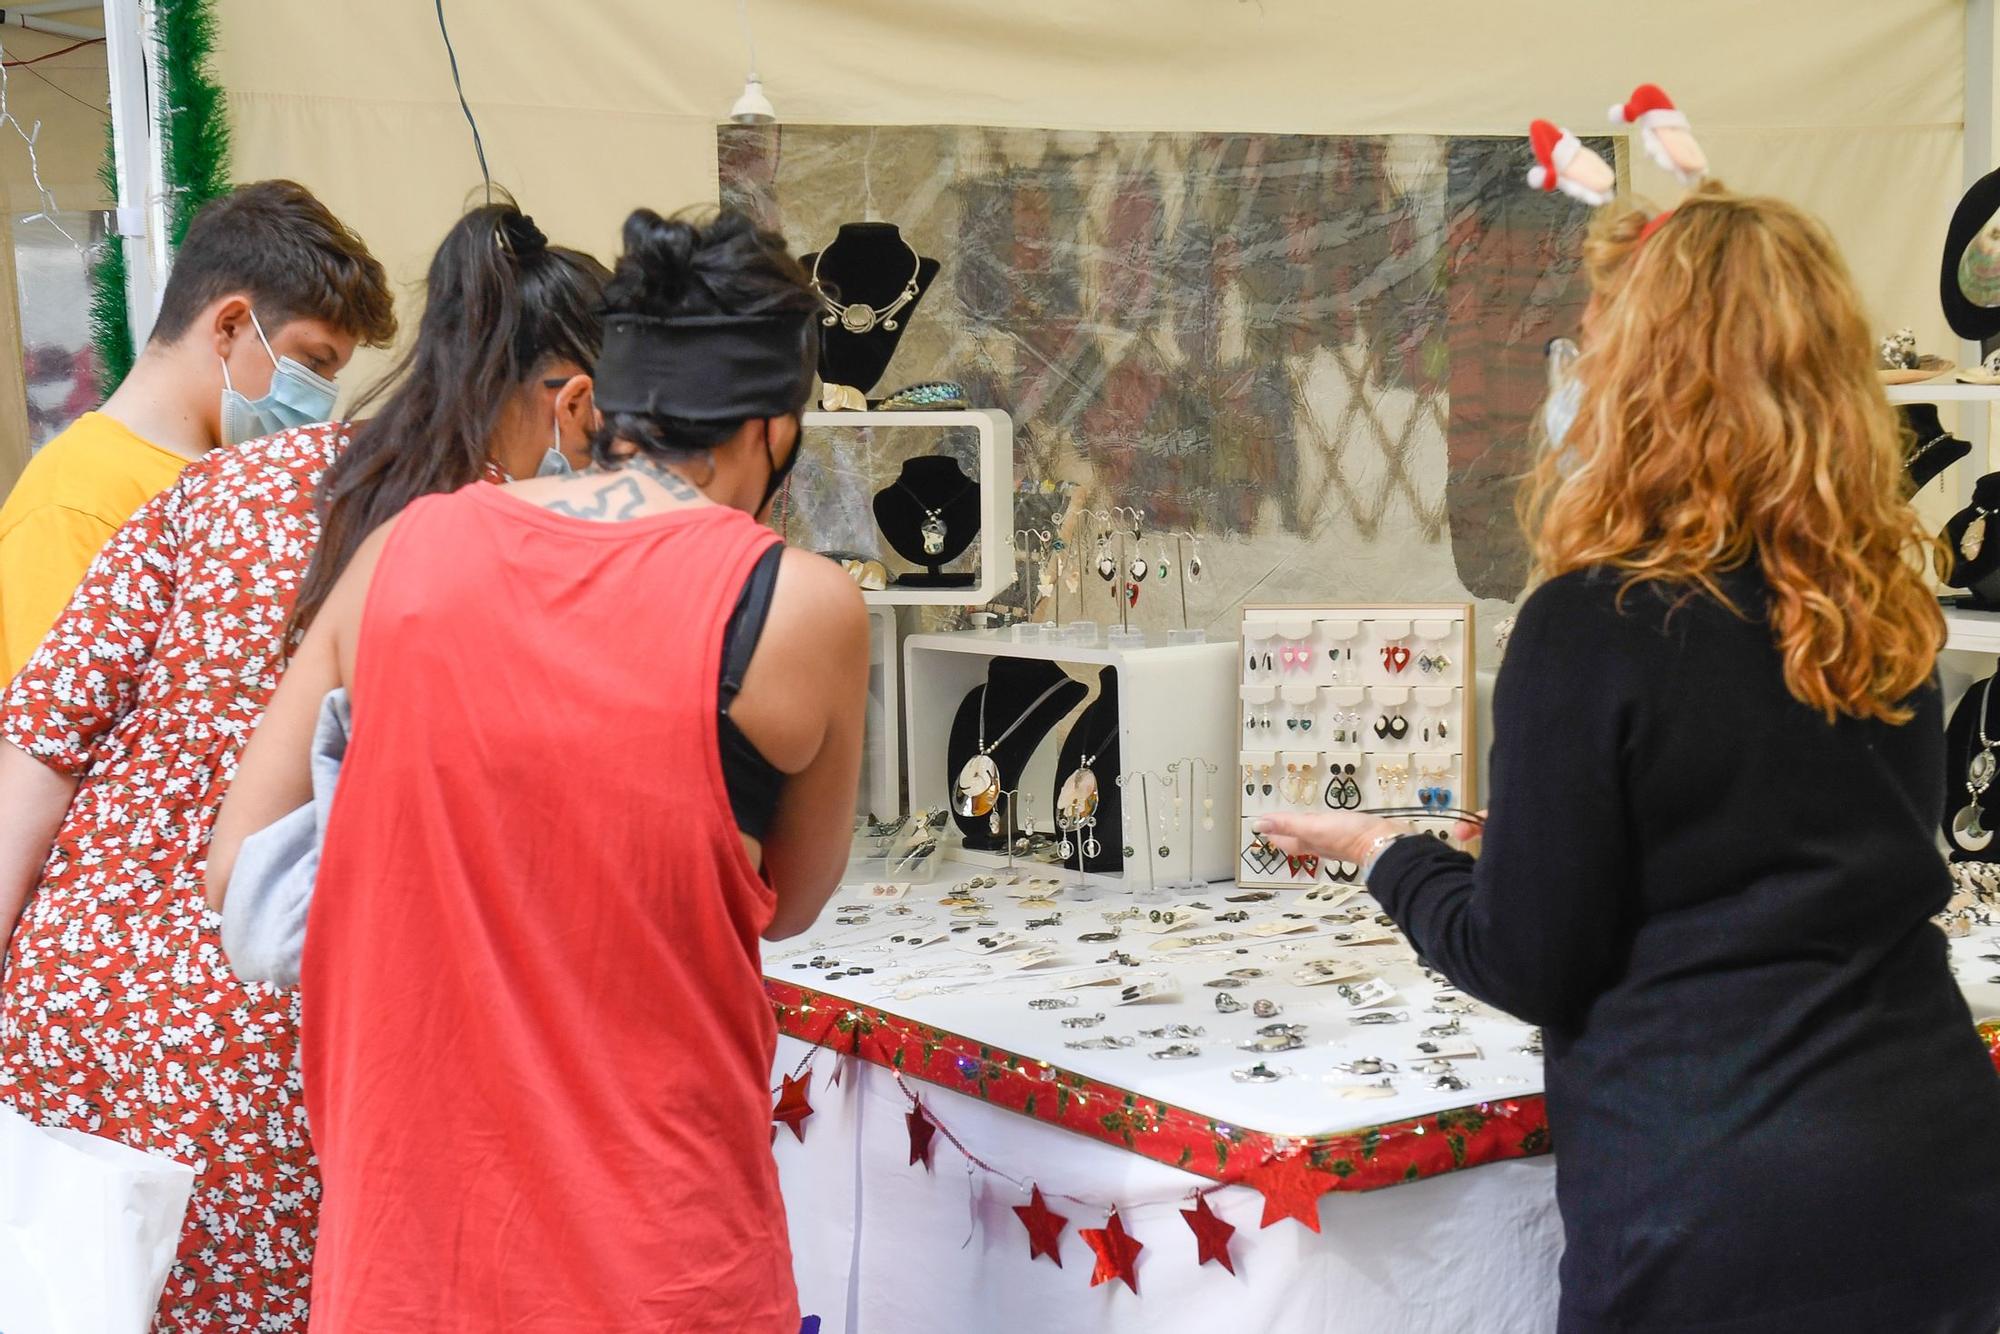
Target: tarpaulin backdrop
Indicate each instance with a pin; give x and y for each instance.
(588, 109)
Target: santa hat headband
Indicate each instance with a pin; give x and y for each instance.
(1648, 105)
(1562, 162)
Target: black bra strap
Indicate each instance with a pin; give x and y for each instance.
(746, 624)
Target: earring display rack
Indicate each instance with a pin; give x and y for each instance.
(996, 498)
(1173, 703)
(1347, 708)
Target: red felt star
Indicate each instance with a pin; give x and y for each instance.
(792, 1108)
(1291, 1189)
(1044, 1226)
(1211, 1234)
(921, 1131)
(1115, 1252)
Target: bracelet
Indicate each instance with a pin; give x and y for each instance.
(1378, 847)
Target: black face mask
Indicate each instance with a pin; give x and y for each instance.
(778, 473)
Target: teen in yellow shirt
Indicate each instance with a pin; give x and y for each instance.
(73, 497)
(268, 297)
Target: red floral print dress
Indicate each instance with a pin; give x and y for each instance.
(118, 1013)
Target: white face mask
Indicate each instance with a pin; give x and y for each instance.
(1564, 400)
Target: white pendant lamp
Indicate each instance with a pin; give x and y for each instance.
(752, 108)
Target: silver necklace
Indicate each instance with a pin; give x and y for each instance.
(1968, 827)
(859, 317)
(977, 791)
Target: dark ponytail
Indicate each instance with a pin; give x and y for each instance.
(671, 266)
(499, 303)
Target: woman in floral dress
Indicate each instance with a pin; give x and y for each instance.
(118, 1013)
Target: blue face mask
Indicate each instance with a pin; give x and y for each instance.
(297, 397)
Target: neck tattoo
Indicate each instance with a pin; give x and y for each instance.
(675, 485)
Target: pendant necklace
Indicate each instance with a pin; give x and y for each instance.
(977, 791)
(934, 529)
(1077, 800)
(1968, 828)
(860, 317)
(1973, 540)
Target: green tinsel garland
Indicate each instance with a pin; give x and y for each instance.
(196, 134)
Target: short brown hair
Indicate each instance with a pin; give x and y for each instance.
(274, 241)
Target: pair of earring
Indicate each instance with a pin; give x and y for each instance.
(1259, 661)
(1257, 722)
(1433, 664)
(1434, 798)
(1300, 721)
(1298, 784)
(1395, 657)
(1343, 793)
(1393, 777)
(1295, 657)
(1392, 727)
(1441, 727)
(1346, 727)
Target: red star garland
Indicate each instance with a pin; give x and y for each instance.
(921, 1131)
(792, 1108)
(1116, 1251)
(1044, 1226)
(1211, 1234)
(1291, 1189)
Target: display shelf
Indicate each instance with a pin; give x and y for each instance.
(1943, 390)
(881, 791)
(1174, 701)
(1971, 631)
(996, 499)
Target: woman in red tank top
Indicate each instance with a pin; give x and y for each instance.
(536, 1044)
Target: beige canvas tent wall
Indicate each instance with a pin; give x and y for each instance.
(1852, 107)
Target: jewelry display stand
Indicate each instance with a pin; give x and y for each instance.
(1350, 708)
(867, 268)
(929, 515)
(994, 489)
(1172, 702)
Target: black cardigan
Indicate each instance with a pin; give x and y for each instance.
(1770, 1109)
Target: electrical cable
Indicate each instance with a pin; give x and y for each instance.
(36, 60)
(478, 144)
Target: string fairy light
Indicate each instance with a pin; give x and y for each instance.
(29, 137)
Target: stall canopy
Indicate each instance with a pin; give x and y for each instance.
(588, 109)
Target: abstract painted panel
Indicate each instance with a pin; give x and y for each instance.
(1321, 354)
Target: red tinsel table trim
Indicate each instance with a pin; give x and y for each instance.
(1385, 1155)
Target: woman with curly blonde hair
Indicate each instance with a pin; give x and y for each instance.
(1710, 861)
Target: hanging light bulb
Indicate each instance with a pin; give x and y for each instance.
(752, 108)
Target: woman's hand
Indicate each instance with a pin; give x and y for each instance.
(1341, 836)
(1466, 832)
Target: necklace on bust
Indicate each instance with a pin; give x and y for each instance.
(934, 529)
(977, 791)
(859, 317)
(1968, 827)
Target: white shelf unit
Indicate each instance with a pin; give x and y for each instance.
(1174, 701)
(996, 498)
(1942, 390)
(1971, 631)
(881, 790)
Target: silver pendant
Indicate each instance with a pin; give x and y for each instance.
(857, 318)
(933, 531)
(1973, 540)
(1968, 829)
(978, 787)
(1979, 773)
(1077, 801)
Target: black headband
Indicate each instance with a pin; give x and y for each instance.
(708, 367)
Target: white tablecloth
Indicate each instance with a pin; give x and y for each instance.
(882, 1247)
